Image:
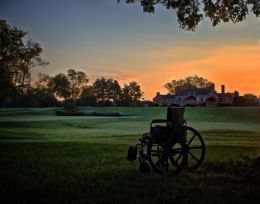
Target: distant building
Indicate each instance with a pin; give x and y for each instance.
(226, 99)
(163, 100)
(196, 97)
(187, 97)
(258, 101)
(147, 103)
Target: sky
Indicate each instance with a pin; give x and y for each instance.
(119, 41)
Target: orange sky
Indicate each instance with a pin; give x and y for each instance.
(238, 67)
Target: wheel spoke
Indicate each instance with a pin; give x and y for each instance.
(168, 157)
(156, 150)
(192, 155)
(167, 166)
(176, 148)
(175, 152)
(156, 155)
(178, 158)
(196, 147)
(160, 159)
(192, 139)
(175, 162)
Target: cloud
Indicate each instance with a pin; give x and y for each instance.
(122, 76)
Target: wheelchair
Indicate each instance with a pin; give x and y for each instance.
(170, 146)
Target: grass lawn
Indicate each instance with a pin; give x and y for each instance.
(63, 159)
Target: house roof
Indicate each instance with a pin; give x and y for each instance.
(186, 92)
(168, 96)
(226, 94)
(193, 92)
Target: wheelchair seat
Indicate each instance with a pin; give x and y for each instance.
(174, 124)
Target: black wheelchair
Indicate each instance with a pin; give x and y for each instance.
(170, 146)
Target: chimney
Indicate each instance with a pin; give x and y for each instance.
(158, 94)
(222, 89)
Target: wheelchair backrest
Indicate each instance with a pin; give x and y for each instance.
(175, 116)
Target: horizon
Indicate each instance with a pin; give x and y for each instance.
(119, 41)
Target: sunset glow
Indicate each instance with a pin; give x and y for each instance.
(238, 67)
(103, 38)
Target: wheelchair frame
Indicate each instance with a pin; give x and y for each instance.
(169, 148)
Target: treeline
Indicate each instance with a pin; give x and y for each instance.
(246, 100)
(18, 58)
(74, 87)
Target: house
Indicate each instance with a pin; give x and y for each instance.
(163, 100)
(186, 97)
(196, 97)
(226, 99)
(212, 100)
(258, 102)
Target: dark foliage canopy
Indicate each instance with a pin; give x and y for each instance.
(17, 58)
(191, 12)
(190, 82)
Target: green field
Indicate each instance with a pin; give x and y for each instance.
(63, 159)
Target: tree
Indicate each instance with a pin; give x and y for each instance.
(78, 80)
(188, 83)
(39, 94)
(246, 100)
(131, 94)
(87, 97)
(44, 83)
(31, 97)
(107, 91)
(61, 86)
(16, 59)
(191, 12)
(250, 96)
(68, 86)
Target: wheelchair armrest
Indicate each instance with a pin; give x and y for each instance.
(160, 121)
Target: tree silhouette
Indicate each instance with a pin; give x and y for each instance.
(87, 96)
(78, 80)
(190, 82)
(131, 94)
(16, 59)
(107, 91)
(191, 12)
(61, 86)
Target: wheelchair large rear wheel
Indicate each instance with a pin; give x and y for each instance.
(195, 147)
(164, 159)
